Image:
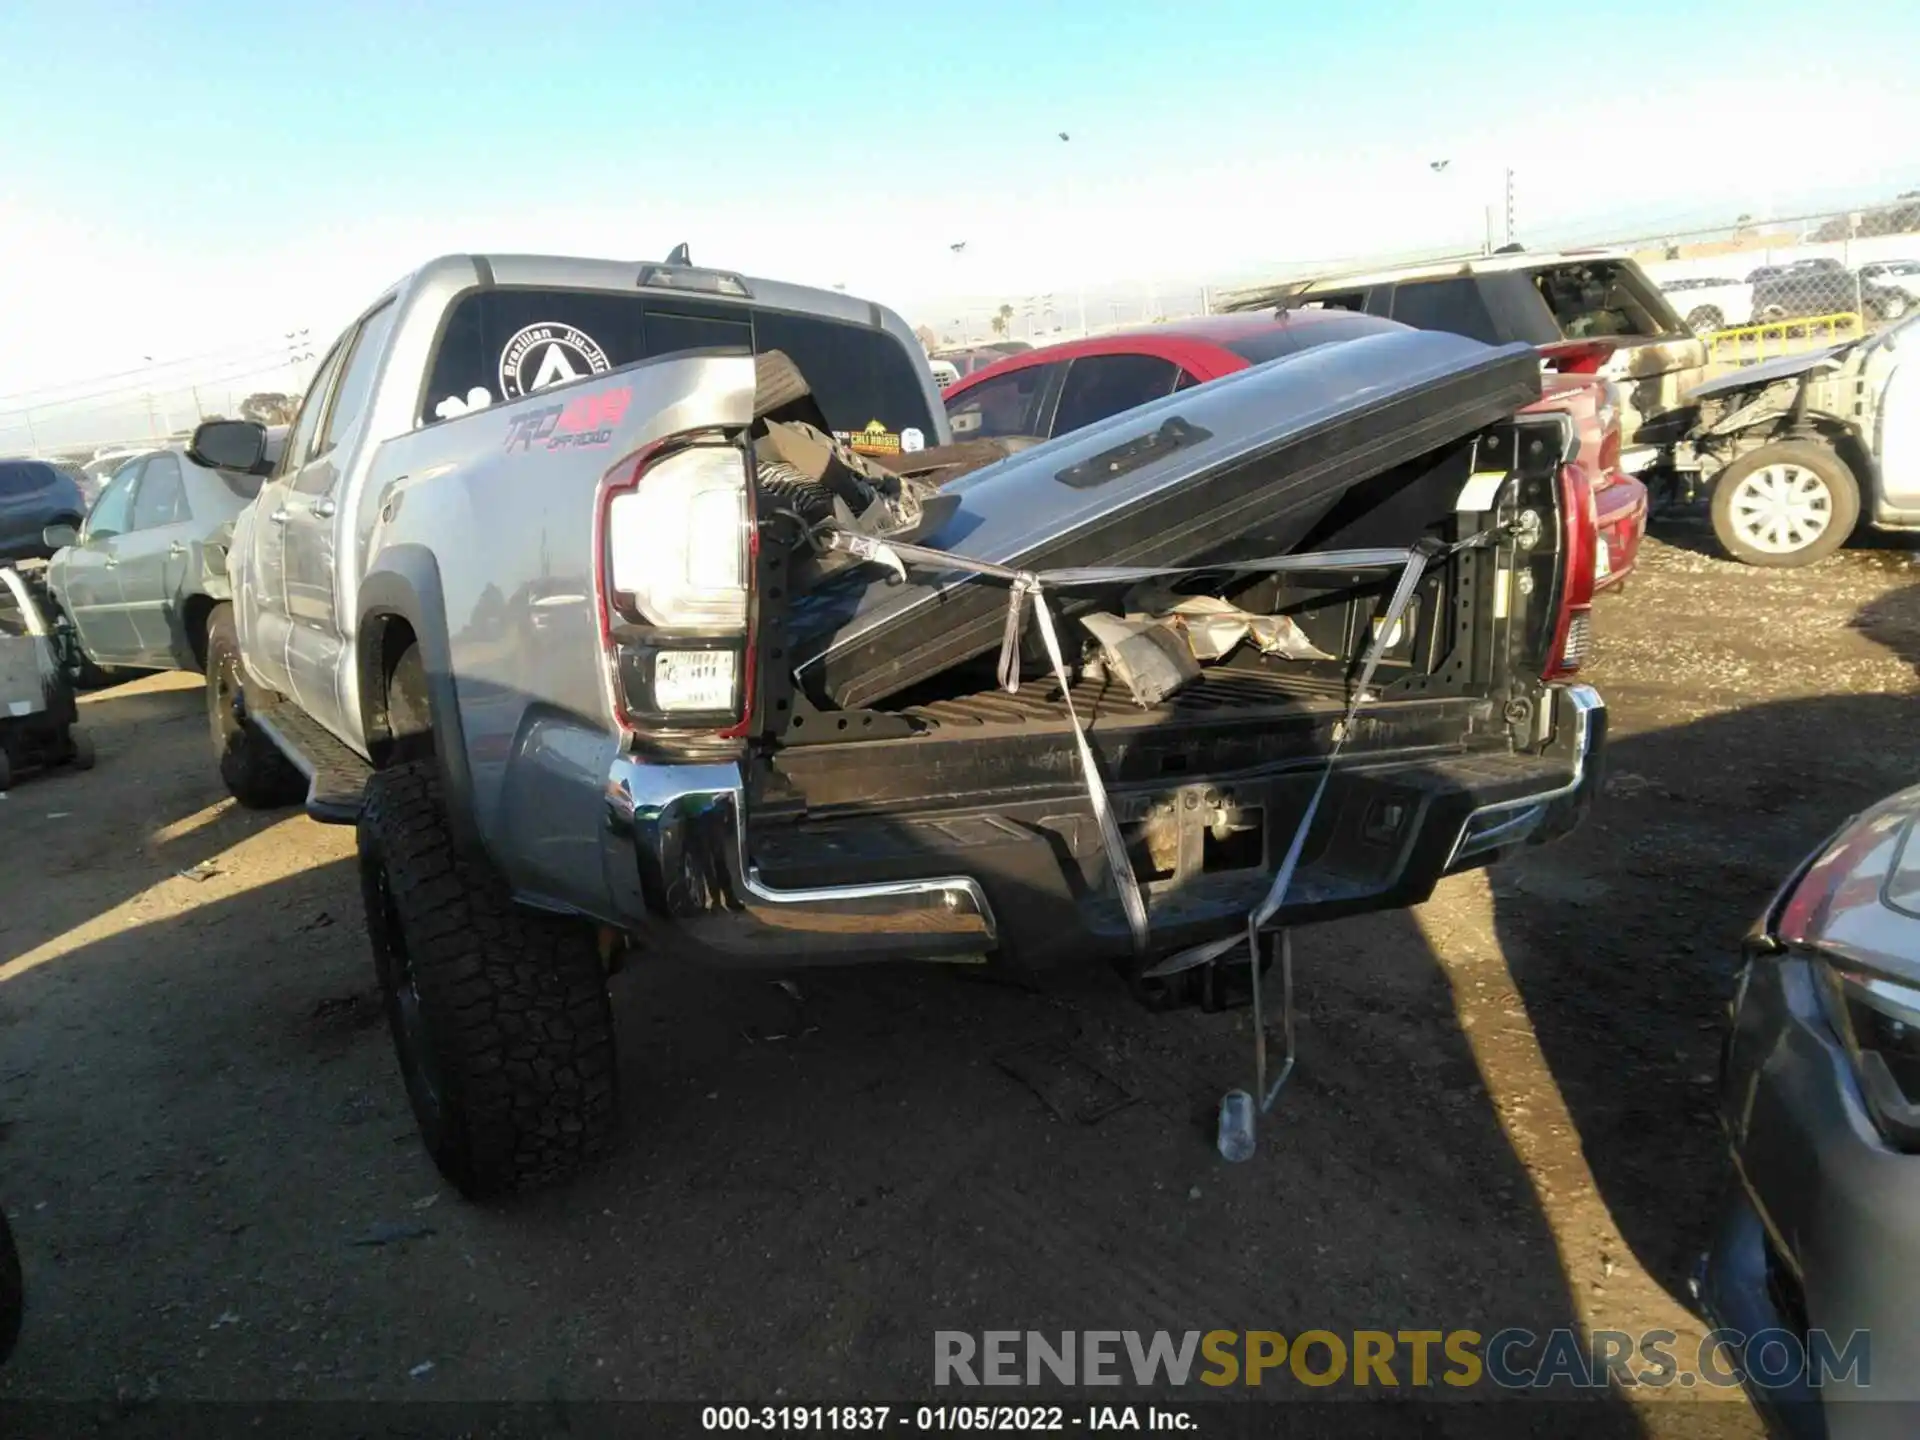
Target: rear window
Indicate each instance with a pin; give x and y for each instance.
(501, 344)
(25, 477)
(1458, 305)
(1597, 299)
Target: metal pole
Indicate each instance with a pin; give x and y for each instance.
(1509, 239)
(33, 440)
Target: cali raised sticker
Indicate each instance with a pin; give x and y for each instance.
(548, 354)
(876, 439)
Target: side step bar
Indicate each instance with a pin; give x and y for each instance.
(336, 777)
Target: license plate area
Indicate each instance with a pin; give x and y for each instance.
(1177, 836)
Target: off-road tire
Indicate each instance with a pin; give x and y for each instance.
(80, 751)
(500, 1015)
(1812, 455)
(255, 772)
(1706, 320)
(781, 487)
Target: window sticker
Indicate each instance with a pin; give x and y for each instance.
(548, 354)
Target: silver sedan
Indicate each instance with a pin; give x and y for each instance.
(140, 577)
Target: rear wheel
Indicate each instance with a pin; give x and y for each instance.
(1706, 319)
(1786, 504)
(255, 772)
(500, 1016)
(80, 752)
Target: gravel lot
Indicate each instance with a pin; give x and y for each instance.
(1502, 1115)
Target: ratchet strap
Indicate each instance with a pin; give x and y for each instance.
(1031, 586)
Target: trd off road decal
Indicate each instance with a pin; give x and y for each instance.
(582, 423)
(876, 439)
(548, 354)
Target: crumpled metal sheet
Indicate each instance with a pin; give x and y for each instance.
(1144, 654)
(1214, 627)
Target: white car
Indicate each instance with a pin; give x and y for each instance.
(1710, 303)
(1799, 451)
(1894, 275)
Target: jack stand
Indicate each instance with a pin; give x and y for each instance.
(1239, 1111)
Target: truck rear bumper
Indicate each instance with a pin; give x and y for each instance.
(677, 858)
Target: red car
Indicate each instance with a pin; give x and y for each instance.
(1051, 391)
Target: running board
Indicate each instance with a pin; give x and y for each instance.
(336, 777)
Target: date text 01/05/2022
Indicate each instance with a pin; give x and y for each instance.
(923, 1418)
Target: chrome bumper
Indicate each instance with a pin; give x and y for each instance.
(676, 858)
(1579, 729)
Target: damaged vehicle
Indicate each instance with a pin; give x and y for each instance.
(1588, 312)
(1793, 454)
(632, 610)
(1061, 388)
(39, 721)
(136, 584)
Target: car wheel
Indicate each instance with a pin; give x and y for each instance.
(80, 752)
(500, 1015)
(1706, 319)
(1784, 505)
(1892, 306)
(6, 773)
(255, 772)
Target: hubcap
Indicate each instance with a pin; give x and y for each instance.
(1779, 509)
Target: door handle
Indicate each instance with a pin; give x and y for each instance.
(111, 561)
(323, 507)
(176, 548)
(279, 517)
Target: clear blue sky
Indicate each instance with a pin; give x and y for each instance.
(232, 172)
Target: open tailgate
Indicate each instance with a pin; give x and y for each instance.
(1236, 469)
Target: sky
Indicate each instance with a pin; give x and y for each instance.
(197, 182)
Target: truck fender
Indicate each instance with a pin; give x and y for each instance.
(405, 584)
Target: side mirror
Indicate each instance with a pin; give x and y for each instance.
(230, 445)
(58, 537)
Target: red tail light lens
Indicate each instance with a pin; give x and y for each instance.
(1573, 628)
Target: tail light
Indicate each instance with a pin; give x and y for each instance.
(1609, 466)
(1573, 626)
(674, 572)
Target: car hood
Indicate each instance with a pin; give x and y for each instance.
(1242, 467)
(1859, 900)
(1767, 371)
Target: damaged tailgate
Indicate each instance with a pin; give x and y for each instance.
(1243, 467)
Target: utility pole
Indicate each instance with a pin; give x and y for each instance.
(1509, 239)
(1486, 247)
(33, 440)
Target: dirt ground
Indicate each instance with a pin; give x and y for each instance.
(1502, 1115)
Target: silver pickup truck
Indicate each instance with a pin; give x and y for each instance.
(537, 597)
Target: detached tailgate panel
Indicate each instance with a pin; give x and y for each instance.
(1242, 467)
